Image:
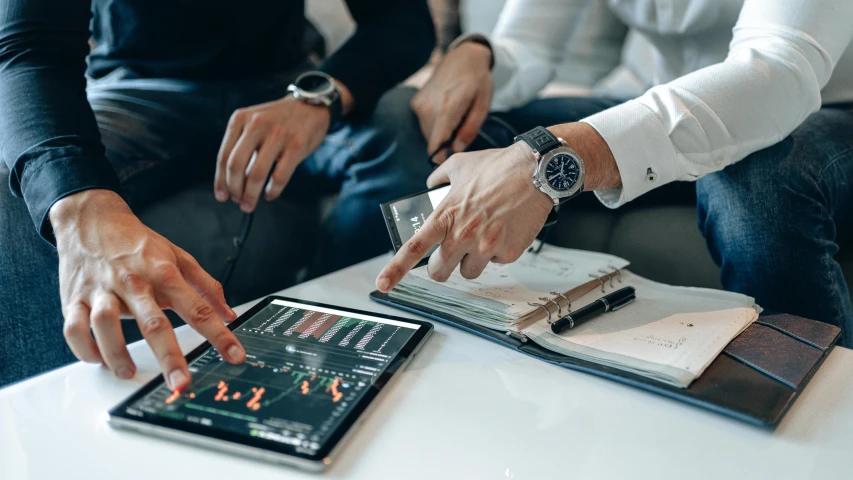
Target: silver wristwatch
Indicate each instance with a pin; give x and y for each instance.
(318, 88)
(559, 171)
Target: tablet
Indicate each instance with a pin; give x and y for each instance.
(311, 373)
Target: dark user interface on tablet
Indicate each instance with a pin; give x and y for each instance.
(305, 370)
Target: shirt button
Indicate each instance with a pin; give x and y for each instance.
(651, 176)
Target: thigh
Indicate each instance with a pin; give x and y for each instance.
(160, 135)
(807, 176)
(31, 340)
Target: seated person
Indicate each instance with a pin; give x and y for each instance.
(182, 92)
(753, 99)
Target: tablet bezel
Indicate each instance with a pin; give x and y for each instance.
(321, 455)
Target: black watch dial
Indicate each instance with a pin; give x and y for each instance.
(314, 83)
(562, 172)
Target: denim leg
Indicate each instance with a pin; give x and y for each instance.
(774, 221)
(374, 161)
(31, 338)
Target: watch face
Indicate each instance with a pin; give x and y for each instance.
(314, 83)
(562, 172)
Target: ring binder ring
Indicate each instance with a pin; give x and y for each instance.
(568, 302)
(609, 275)
(551, 300)
(543, 307)
(600, 280)
(617, 272)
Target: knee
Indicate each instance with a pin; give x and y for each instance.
(749, 210)
(395, 120)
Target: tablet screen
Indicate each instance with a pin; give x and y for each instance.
(307, 367)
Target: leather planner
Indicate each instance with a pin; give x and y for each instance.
(756, 378)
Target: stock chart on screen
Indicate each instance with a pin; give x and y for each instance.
(305, 369)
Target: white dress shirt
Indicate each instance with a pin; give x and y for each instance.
(725, 78)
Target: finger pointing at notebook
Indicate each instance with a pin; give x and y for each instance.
(490, 215)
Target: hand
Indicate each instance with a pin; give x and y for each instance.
(285, 131)
(490, 215)
(457, 95)
(110, 264)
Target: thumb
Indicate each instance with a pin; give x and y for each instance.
(440, 175)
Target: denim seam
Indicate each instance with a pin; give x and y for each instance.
(834, 160)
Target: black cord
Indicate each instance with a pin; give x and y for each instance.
(239, 241)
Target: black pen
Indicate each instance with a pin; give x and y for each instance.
(607, 303)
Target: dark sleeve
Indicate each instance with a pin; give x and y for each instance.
(392, 40)
(48, 135)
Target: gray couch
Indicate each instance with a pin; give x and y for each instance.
(658, 236)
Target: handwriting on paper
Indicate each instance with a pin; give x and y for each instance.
(661, 342)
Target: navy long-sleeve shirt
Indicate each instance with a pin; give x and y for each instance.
(48, 134)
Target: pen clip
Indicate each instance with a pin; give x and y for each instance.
(617, 307)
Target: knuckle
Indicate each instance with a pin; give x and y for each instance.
(217, 289)
(276, 131)
(468, 273)
(446, 219)
(200, 314)
(511, 256)
(489, 241)
(257, 120)
(256, 175)
(167, 273)
(132, 281)
(153, 324)
(279, 176)
(469, 229)
(234, 167)
(73, 328)
(100, 318)
(416, 247)
(238, 117)
(297, 143)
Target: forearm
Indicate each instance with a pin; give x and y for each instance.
(48, 133)
(782, 54)
(600, 170)
(393, 39)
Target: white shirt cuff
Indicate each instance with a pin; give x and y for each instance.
(643, 151)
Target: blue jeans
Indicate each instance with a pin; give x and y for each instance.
(162, 136)
(775, 220)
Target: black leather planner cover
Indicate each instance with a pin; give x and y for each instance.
(756, 378)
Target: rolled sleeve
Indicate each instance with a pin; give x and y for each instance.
(641, 147)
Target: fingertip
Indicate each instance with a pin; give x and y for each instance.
(179, 379)
(236, 354)
(383, 284)
(221, 196)
(246, 207)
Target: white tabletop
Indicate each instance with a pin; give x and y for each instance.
(465, 408)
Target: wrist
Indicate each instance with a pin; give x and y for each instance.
(600, 169)
(68, 210)
(478, 55)
(526, 164)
